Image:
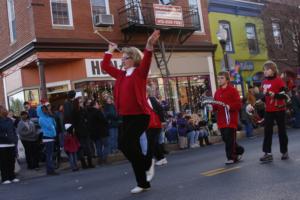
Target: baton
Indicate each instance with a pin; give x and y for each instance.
(105, 39)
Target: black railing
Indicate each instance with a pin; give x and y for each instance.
(135, 14)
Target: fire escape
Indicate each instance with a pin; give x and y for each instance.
(136, 18)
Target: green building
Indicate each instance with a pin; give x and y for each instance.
(245, 44)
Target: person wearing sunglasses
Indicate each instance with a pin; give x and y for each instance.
(131, 103)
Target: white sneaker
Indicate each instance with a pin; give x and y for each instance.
(162, 162)
(150, 172)
(16, 180)
(228, 162)
(6, 182)
(239, 157)
(138, 189)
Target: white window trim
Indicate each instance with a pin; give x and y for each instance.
(69, 2)
(11, 34)
(202, 31)
(106, 7)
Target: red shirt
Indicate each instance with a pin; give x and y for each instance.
(130, 91)
(274, 85)
(128, 104)
(231, 97)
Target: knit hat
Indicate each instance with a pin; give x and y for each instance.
(67, 126)
(271, 65)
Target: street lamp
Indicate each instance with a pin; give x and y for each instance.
(222, 37)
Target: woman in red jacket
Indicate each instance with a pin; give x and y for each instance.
(132, 105)
(274, 91)
(227, 116)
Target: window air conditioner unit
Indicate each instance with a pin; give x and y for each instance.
(103, 20)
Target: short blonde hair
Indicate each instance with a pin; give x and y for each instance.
(134, 53)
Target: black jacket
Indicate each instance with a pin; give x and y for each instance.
(158, 109)
(97, 124)
(7, 131)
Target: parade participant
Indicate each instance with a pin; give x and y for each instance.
(274, 92)
(153, 133)
(227, 116)
(132, 105)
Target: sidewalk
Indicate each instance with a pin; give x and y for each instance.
(112, 159)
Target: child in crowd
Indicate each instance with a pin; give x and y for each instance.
(71, 145)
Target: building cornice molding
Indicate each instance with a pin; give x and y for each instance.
(52, 46)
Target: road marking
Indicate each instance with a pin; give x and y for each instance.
(212, 171)
(219, 171)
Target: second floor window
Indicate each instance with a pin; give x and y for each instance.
(195, 8)
(229, 44)
(11, 20)
(61, 12)
(252, 38)
(277, 34)
(165, 2)
(99, 7)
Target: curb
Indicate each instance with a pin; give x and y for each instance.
(25, 174)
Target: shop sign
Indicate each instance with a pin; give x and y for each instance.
(247, 66)
(93, 68)
(166, 15)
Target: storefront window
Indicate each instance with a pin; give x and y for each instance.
(95, 89)
(16, 102)
(177, 94)
(185, 92)
(32, 97)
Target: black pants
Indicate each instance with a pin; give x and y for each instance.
(129, 143)
(32, 153)
(232, 149)
(7, 163)
(155, 150)
(279, 117)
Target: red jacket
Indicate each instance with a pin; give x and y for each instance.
(71, 143)
(231, 97)
(274, 85)
(139, 76)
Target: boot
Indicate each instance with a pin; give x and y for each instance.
(207, 141)
(201, 141)
(83, 163)
(90, 162)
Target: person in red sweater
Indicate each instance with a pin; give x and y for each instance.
(274, 96)
(227, 116)
(131, 103)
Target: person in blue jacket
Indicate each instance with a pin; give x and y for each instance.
(47, 124)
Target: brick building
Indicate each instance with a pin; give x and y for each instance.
(48, 47)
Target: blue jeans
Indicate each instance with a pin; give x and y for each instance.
(191, 138)
(248, 129)
(49, 147)
(113, 139)
(102, 147)
(73, 160)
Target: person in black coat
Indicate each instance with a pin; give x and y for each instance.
(80, 122)
(8, 143)
(98, 127)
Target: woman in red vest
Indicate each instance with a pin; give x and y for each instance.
(132, 105)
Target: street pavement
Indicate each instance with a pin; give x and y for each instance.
(190, 175)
